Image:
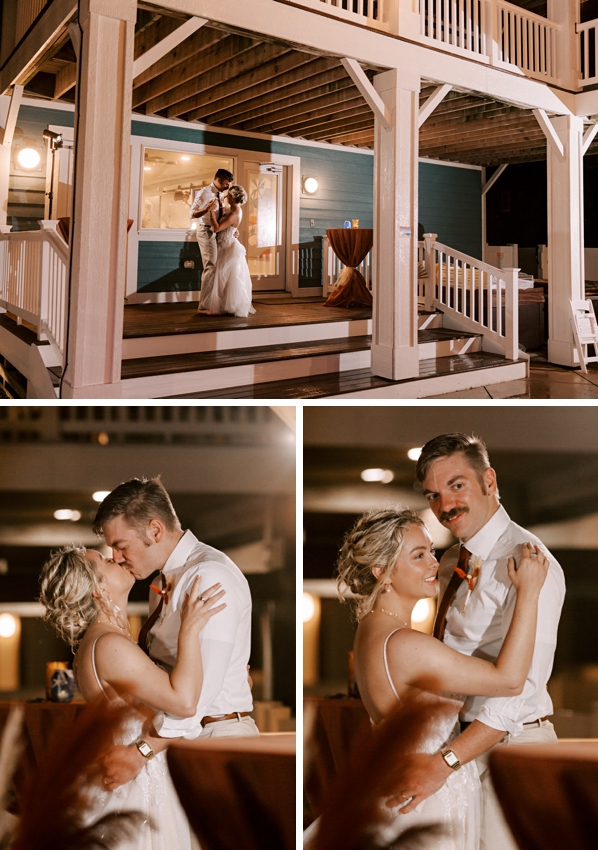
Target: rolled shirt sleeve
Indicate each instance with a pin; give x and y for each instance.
(510, 713)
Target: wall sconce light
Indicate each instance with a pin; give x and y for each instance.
(28, 158)
(310, 185)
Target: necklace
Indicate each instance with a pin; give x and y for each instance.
(392, 614)
(124, 630)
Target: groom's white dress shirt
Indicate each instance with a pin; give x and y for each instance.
(225, 640)
(207, 194)
(481, 629)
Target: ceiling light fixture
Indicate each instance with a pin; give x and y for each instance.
(384, 476)
(67, 514)
(413, 454)
(100, 495)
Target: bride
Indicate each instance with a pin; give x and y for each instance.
(85, 596)
(388, 561)
(231, 292)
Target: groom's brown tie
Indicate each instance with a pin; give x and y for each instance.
(449, 594)
(142, 639)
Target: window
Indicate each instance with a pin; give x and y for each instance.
(171, 180)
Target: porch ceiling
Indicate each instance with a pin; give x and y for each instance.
(236, 81)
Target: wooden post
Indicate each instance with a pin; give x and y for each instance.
(565, 13)
(511, 277)
(395, 352)
(565, 236)
(430, 293)
(101, 191)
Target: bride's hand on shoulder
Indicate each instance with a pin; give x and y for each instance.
(199, 607)
(530, 575)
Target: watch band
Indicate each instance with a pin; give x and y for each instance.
(451, 759)
(145, 749)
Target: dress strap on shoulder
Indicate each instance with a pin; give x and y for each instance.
(390, 682)
(94, 668)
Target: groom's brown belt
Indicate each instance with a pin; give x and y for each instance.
(235, 714)
(465, 723)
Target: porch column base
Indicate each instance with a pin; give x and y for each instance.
(97, 391)
(562, 353)
(395, 364)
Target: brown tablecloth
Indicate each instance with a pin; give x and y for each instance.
(549, 794)
(337, 725)
(43, 723)
(238, 792)
(351, 246)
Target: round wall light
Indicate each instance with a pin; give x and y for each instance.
(8, 625)
(28, 158)
(310, 185)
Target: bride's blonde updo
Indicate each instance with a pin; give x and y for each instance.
(375, 540)
(237, 195)
(70, 593)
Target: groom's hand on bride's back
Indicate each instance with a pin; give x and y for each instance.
(419, 776)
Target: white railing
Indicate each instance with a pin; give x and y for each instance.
(371, 13)
(332, 267)
(27, 12)
(459, 24)
(33, 280)
(474, 296)
(526, 40)
(588, 52)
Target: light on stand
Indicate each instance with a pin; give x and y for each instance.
(54, 141)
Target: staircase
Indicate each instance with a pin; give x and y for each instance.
(324, 354)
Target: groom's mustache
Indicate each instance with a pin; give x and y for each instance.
(445, 516)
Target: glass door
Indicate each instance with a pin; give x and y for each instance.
(264, 224)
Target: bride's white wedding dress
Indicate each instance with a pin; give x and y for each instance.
(165, 826)
(231, 292)
(456, 806)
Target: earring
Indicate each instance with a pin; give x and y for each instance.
(386, 587)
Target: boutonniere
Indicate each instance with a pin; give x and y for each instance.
(471, 578)
(163, 592)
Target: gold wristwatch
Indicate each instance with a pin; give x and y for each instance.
(451, 759)
(145, 749)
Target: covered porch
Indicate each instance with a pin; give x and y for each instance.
(194, 86)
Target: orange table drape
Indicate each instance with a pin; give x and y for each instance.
(338, 724)
(238, 792)
(43, 723)
(351, 246)
(549, 793)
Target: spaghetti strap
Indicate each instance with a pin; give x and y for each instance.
(94, 668)
(390, 682)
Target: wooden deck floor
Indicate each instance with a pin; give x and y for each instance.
(147, 320)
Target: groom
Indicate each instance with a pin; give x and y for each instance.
(210, 199)
(462, 492)
(139, 523)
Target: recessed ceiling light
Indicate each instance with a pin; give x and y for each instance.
(67, 514)
(385, 476)
(100, 495)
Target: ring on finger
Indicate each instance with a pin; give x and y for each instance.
(202, 598)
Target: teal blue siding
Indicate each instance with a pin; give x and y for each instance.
(160, 267)
(450, 204)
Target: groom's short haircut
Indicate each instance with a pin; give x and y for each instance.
(223, 174)
(138, 501)
(445, 445)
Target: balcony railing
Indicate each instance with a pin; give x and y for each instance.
(491, 31)
(588, 53)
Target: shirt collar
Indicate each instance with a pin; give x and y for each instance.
(181, 552)
(482, 543)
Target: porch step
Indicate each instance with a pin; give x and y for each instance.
(437, 375)
(155, 377)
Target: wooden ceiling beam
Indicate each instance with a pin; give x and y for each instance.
(153, 34)
(356, 139)
(319, 117)
(226, 50)
(189, 47)
(321, 125)
(205, 72)
(229, 93)
(279, 94)
(363, 126)
(325, 97)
